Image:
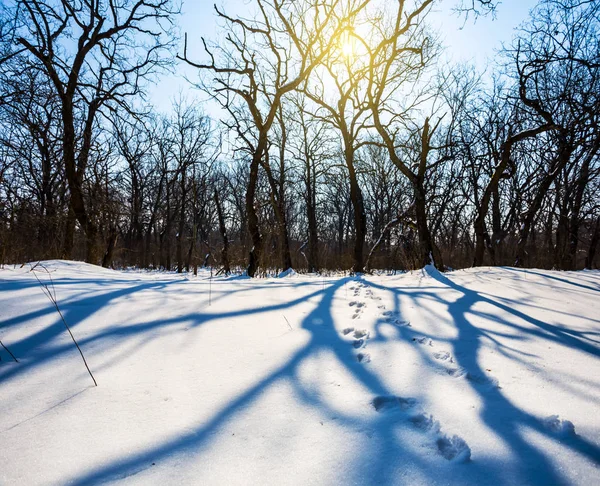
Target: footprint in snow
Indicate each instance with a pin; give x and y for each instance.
(479, 379)
(398, 322)
(391, 402)
(455, 372)
(360, 338)
(425, 422)
(451, 448)
(424, 340)
(443, 356)
(360, 333)
(357, 304)
(370, 295)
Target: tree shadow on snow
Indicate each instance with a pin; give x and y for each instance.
(509, 422)
(388, 452)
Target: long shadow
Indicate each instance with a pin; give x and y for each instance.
(502, 416)
(77, 310)
(553, 277)
(324, 338)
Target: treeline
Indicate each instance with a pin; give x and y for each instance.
(345, 141)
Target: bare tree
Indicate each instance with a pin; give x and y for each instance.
(95, 54)
(264, 59)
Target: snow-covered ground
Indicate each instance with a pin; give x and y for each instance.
(486, 376)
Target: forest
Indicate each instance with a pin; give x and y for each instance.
(339, 138)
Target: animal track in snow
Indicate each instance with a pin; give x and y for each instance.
(392, 317)
(359, 333)
(480, 379)
(363, 357)
(397, 322)
(369, 293)
(425, 422)
(443, 356)
(455, 372)
(360, 338)
(358, 306)
(391, 402)
(451, 448)
(424, 340)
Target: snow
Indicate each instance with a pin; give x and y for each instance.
(483, 376)
(290, 272)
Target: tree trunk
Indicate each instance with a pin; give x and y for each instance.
(223, 231)
(311, 214)
(74, 172)
(286, 256)
(253, 227)
(360, 219)
(107, 259)
(428, 252)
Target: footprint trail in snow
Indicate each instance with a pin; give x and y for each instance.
(447, 361)
(360, 336)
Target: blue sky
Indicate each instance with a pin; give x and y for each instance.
(475, 40)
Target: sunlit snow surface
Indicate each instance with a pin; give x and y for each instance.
(486, 376)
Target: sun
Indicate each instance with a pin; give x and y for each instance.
(347, 50)
(347, 45)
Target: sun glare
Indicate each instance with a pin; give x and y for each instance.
(347, 45)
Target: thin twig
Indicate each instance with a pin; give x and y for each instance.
(8, 351)
(288, 323)
(52, 297)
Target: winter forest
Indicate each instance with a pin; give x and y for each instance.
(338, 138)
(300, 242)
